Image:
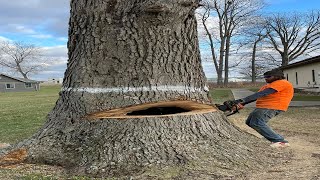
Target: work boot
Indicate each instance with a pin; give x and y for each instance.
(280, 144)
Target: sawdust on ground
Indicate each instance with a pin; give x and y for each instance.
(305, 161)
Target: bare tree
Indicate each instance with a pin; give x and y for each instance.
(253, 38)
(259, 61)
(21, 57)
(293, 35)
(218, 62)
(247, 71)
(134, 98)
(232, 15)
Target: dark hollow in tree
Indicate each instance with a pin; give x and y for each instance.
(158, 111)
(161, 109)
(124, 54)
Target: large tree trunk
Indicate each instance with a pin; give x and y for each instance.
(125, 56)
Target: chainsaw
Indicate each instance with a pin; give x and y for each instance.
(230, 107)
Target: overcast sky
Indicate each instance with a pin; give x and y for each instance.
(45, 23)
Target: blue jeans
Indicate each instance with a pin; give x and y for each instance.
(258, 120)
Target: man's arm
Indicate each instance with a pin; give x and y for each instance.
(255, 96)
(238, 104)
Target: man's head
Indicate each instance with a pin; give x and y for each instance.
(273, 75)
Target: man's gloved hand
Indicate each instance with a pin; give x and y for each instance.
(237, 107)
(233, 105)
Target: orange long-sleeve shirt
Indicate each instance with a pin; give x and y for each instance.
(279, 100)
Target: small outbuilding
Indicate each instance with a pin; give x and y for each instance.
(304, 74)
(14, 84)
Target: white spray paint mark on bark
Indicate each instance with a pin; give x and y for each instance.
(136, 89)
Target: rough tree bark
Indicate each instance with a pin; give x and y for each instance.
(125, 54)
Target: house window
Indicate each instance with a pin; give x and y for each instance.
(313, 76)
(297, 78)
(28, 85)
(10, 86)
(287, 77)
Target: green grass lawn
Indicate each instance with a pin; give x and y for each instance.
(22, 113)
(303, 97)
(219, 95)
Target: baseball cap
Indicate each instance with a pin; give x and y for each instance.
(274, 72)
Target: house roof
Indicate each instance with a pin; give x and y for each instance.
(20, 79)
(303, 62)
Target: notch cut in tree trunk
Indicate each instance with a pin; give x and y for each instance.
(158, 109)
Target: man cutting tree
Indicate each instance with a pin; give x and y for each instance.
(272, 99)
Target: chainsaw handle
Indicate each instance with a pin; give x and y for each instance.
(230, 106)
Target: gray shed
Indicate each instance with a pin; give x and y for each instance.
(14, 84)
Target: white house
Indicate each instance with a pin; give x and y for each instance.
(304, 73)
